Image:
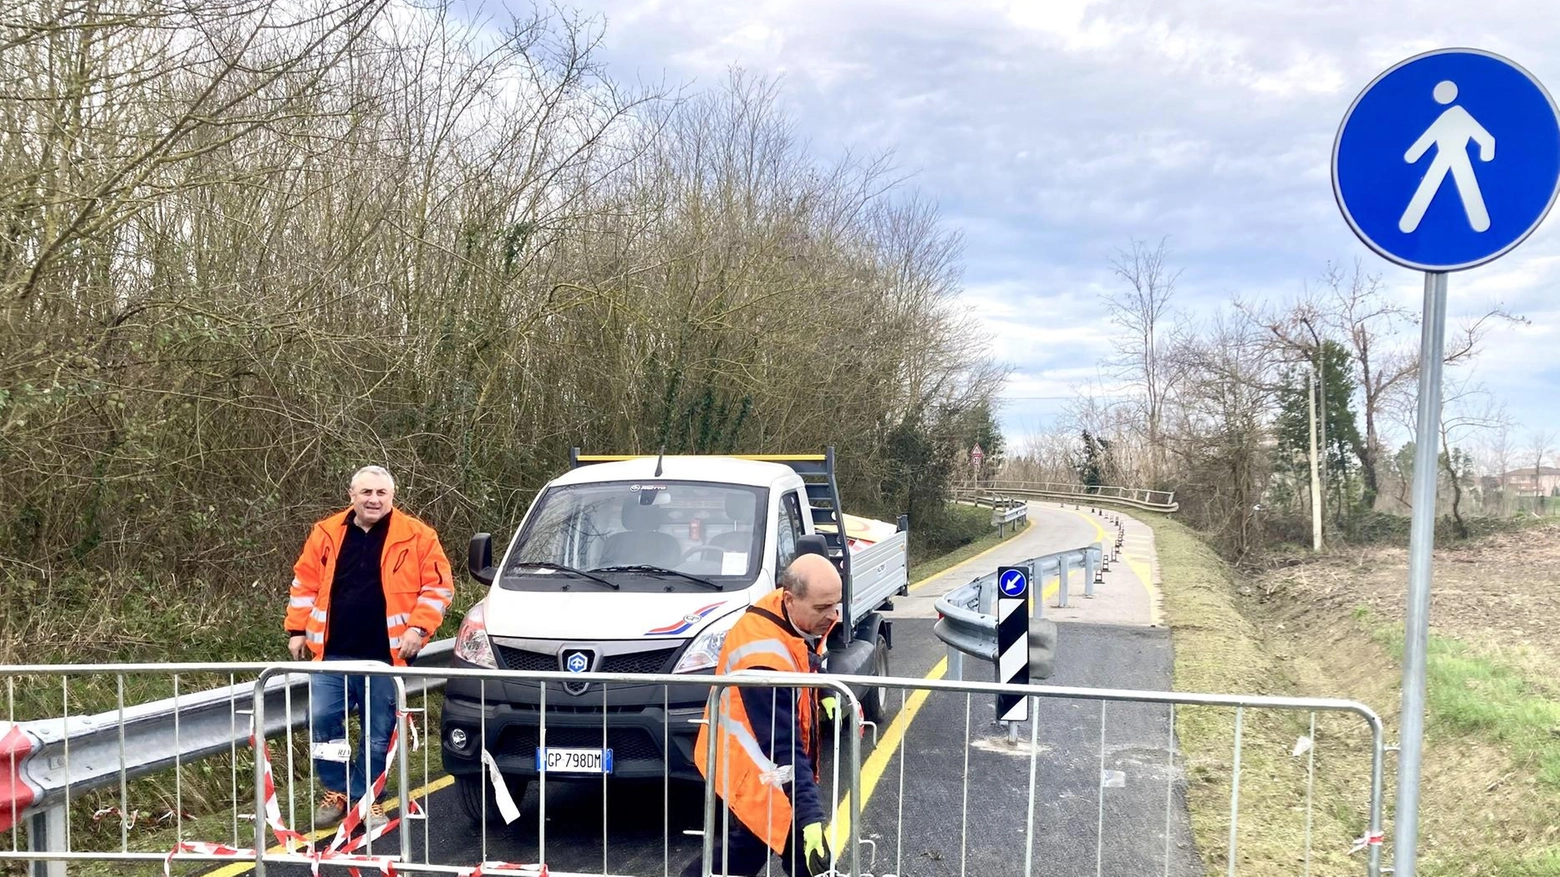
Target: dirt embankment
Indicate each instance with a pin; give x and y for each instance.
(1333, 625)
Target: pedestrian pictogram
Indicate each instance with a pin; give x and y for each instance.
(1449, 134)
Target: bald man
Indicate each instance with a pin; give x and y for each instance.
(768, 739)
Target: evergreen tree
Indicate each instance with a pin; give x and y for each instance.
(1340, 457)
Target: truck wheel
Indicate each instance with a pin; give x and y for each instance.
(469, 793)
(875, 703)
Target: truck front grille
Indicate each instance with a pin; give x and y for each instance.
(510, 658)
(525, 661)
(657, 661)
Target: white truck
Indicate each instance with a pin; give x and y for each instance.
(641, 564)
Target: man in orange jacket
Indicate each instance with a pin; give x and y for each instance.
(768, 738)
(371, 584)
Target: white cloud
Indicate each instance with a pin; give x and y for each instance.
(1055, 131)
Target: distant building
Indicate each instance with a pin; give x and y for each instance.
(1522, 482)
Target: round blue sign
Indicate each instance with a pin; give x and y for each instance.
(1013, 583)
(1448, 160)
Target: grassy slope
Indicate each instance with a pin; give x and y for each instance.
(1218, 650)
(1492, 761)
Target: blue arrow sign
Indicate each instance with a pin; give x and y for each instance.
(1448, 160)
(1013, 583)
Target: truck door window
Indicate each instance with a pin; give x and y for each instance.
(787, 530)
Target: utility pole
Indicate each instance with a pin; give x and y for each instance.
(1320, 419)
(1316, 469)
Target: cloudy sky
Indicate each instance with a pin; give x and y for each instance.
(1054, 132)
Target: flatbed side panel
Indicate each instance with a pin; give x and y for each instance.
(878, 572)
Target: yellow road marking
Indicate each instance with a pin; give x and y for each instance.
(877, 762)
(1144, 575)
(391, 803)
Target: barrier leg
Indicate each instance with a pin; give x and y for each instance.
(46, 834)
(955, 664)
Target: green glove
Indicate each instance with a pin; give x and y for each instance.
(831, 705)
(815, 851)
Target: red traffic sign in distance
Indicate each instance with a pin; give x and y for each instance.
(976, 455)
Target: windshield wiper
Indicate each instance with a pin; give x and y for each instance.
(659, 570)
(558, 567)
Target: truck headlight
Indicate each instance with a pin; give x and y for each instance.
(471, 644)
(704, 652)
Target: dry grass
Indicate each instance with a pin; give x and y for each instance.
(1218, 649)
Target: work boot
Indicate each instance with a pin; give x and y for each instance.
(333, 806)
(376, 817)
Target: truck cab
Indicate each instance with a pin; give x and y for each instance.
(641, 564)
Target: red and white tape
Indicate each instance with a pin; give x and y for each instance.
(343, 847)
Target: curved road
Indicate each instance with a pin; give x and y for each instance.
(1111, 801)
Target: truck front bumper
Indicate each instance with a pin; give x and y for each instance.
(649, 728)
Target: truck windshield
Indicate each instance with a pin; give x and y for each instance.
(707, 531)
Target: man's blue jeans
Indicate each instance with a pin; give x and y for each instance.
(332, 697)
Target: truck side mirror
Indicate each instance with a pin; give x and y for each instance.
(812, 544)
(479, 558)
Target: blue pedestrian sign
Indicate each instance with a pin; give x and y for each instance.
(1013, 582)
(1448, 160)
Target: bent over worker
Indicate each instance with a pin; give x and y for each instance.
(767, 739)
(371, 584)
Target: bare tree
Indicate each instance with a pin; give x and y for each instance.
(1540, 442)
(1499, 451)
(1145, 314)
(1219, 429)
(1352, 306)
(1468, 411)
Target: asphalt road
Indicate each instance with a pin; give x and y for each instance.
(1110, 801)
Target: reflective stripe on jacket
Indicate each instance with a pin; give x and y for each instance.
(413, 571)
(751, 771)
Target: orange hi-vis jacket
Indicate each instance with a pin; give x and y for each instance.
(746, 777)
(413, 570)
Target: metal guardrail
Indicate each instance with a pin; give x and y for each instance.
(1007, 511)
(1136, 497)
(55, 760)
(967, 621)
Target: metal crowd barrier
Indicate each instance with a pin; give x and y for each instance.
(1105, 762)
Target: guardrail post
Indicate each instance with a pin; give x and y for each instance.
(1063, 576)
(1038, 578)
(1061, 591)
(1090, 572)
(46, 834)
(955, 664)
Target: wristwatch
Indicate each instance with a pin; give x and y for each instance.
(421, 634)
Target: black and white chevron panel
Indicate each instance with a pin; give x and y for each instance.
(1013, 584)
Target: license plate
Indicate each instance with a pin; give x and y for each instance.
(556, 760)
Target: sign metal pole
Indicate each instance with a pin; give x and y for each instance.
(1421, 541)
